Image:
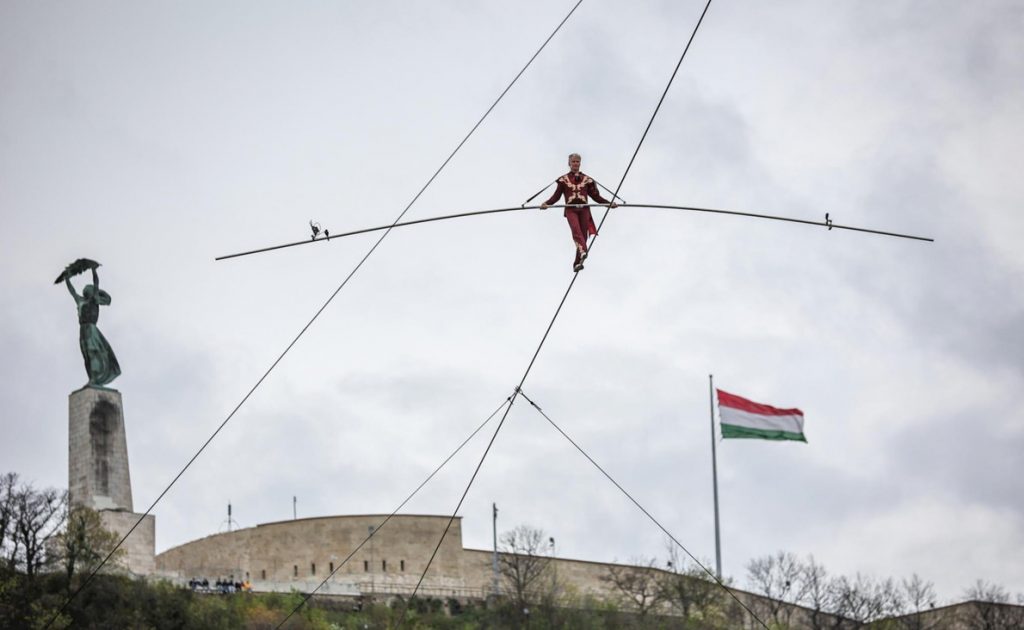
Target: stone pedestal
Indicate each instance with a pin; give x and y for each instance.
(98, 451)
(140, 548)
(98, 476)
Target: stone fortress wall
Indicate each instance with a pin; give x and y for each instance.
(305, 551)
(300, 554)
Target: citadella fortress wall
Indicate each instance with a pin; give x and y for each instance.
(303, 552)
(308, 549)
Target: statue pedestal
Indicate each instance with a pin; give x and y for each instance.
(98, 451)
(98, 476)
(140, 548)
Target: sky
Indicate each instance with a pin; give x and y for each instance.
(155, 137)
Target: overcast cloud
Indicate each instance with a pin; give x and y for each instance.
(155, 137)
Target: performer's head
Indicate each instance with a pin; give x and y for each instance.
(574, 162)
(89, 291)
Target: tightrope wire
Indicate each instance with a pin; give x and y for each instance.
(827, 223)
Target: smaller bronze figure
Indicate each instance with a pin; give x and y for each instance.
(100, 362)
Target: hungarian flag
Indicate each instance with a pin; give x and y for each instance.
(742, 418)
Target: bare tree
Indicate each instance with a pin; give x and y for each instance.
(37, 517)
(777, 578)
(863, 600)
(8, 495)
(524, 566)
(990, 608)
(818, 593)
(919, 600)
(887, 599)
(637, 585)
(690, 591)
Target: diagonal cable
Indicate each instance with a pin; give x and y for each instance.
(447, 526)
(489, 444)
(313, 319)
(508, 401)
(555, 317)
(642, 508)
(651, 121)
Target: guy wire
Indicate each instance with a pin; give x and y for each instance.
(96, 570)
(376, 529)
(644, 510)
(550, 325)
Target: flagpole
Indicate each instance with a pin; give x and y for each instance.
(714, 475)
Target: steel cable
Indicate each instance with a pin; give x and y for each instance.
(394, 512)
(93, 573)
(575, 275)
(827, 223)
(643, 509)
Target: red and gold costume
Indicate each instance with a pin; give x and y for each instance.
(576, 187)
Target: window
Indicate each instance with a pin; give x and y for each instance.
(295, 570)
(331, 565)
(384, 566)
(263, 574)
(366, 565)
(312, 568)
(401, 564)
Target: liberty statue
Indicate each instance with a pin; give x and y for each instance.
(100, 362)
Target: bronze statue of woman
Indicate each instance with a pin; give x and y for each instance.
(100, 362)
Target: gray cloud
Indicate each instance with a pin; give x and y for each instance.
(159, 138)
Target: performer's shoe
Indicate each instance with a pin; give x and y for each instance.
(578, 266)
(583, 253)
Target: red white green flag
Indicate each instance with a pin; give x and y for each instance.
(742, 418)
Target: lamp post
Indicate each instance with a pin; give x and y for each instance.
(494, 563)
(370, 529)
(554, 567)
